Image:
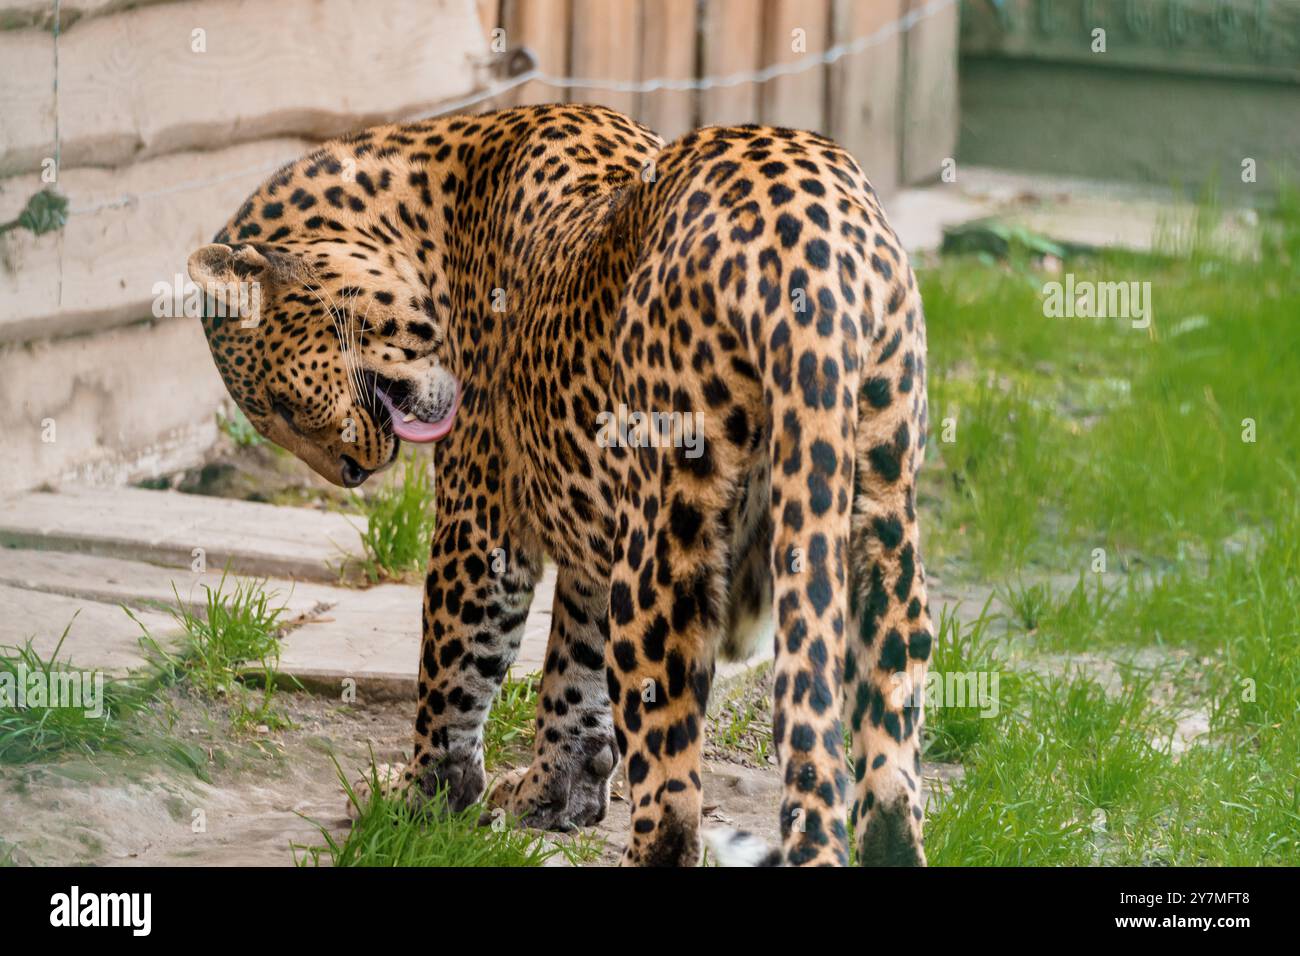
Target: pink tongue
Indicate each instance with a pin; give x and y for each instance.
(415, 430)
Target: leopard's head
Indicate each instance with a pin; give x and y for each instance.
(329, 345)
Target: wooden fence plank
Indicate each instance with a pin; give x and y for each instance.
(668, 39)
(864, 89)
(489, 14)
(794, 31)
(929, 101)
(543, 27)
(731, 42)
(604, 45)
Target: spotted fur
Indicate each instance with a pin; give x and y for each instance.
(552, 263)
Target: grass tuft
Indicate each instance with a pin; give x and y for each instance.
(112, 716)
(959, 654)
(508, 735)
(239, 429)
(236, 628)
(399, 522)
(48, 727)
(388, 831)
(1029, 602)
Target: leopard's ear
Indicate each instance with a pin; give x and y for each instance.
(219, 265)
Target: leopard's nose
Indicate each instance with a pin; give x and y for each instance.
(352, 473)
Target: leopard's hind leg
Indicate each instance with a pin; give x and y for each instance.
(890, 634)
(808, 388)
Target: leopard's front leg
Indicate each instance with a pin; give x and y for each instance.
(567, 784)
(476, 599)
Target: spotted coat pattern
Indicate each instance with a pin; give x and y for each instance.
(558, 262)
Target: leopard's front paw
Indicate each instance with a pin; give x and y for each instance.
(562, 796)
(461, 776)
(390, 778)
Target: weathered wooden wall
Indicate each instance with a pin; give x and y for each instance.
(166, 115)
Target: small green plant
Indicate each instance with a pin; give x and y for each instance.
(235, 629)
(46, 211)
(389, 831)
(509, 730)
(399, 522)
(239, 429)
(44, 726)
(1028, 603)
(961, 654)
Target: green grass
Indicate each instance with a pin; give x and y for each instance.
(959, 652)
(239, 429)
(122, 721)
(1073, 435)
(1073, 773)
(42, 730)
(388, 831)
(237, 627)
(1029, 602)
(740, 721)
(508, 735)
(399, 522)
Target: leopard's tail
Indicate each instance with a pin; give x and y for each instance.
(729, 847)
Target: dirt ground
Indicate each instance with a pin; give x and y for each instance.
(267, 792)
(264, 792)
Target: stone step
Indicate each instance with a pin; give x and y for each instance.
(42, 592)
(372, 637)
(100, 636)
(164, 527)
(137, 584)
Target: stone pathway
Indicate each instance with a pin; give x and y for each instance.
(75, 559)
(163, 528)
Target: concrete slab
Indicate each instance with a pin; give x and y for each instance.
(137, 584)
(1079, 212)
(919, 216)
(166, 527)
(372, 637)
(101, 637)
(537, 630)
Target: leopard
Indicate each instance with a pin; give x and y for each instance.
(496, 286)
